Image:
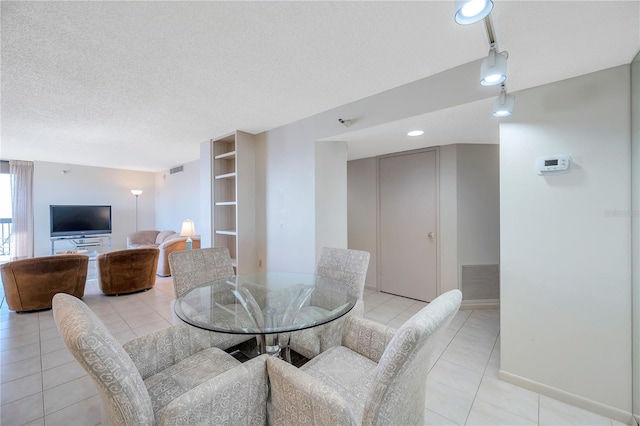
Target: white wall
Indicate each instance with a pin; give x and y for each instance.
(331, 194)
(448, 218)
(635, 217)
(362, 207)
(478, 185)
(177, 198)
(91, 185)
(565, 257)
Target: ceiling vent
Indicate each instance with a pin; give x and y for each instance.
(176, 170)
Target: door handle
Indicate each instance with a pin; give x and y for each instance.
(431, 235)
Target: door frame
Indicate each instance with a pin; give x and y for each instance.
(435, 149)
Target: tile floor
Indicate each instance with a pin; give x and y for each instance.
(41, 383)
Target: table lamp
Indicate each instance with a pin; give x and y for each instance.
(188, 230)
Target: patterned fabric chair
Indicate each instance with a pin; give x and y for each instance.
(194, 268)
(348, 266)
(173, 376)
(378, 376)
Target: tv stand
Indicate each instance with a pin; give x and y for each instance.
(90, 245)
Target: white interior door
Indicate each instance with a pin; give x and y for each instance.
(408, 220)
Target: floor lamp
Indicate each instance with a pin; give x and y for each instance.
(137, 193)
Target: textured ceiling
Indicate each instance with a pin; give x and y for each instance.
(138, 85)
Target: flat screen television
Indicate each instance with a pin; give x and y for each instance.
(80, 220)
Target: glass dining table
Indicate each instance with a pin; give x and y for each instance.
(266, 305)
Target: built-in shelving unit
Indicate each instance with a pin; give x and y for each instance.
(227, 165)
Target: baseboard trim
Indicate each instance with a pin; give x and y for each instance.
(480, 304)
(570, 398)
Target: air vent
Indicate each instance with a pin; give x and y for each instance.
(176, 170)
(480, 282)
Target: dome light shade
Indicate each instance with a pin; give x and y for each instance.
(494, 68)
(415, 133)
(503, 105)
(470, 11)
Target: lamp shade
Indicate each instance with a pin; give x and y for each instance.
(188, 228)
(503, 105)
(494, 68)
(136, 192)
(470, 11)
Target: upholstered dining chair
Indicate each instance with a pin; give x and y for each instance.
(170, 377)
(193, 268)
(377, 377)
(345, 265)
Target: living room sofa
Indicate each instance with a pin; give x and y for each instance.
(166, 241)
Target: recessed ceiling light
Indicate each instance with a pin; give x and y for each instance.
(415, 133)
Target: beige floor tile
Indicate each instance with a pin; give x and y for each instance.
(20, 340)
(62, 374)
(20, 388)
(554, 412)
(56, 358)
(484, 413)
(473, 343)
(152, 327)
(67, 394)
(16, 370)
(88, 412)
(49, 333)
(448, 402)
(51, 345)
(459, 319)
(475, 361)
(20, 354)
(434, 419)
(507, 396)
(22, 411)
(457, 377)
(144, 319)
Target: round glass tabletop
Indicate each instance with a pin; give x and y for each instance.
(265, 303)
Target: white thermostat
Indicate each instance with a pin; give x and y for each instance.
(553, 164)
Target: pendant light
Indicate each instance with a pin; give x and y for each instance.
(503, 105)
(470, 11)
(494, 67)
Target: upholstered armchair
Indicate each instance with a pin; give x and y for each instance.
(127, 271)
(377, 377)
(166, 241)
(193, 268)
(349, 267)
(30, 284)
(170, 377)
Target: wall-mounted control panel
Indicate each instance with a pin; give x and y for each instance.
(553, 164)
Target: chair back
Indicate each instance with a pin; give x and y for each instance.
(123, 392)
(399, 388)
(346, 265)
(30, 284)
(126, 271)
(192, 268)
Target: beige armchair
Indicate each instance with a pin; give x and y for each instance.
(378, 376)
(170, 377)
(127, 271)
(166, 241)
(30, 284)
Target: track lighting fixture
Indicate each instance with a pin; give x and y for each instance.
(494, 67)
(470, 11)
(503, 105)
